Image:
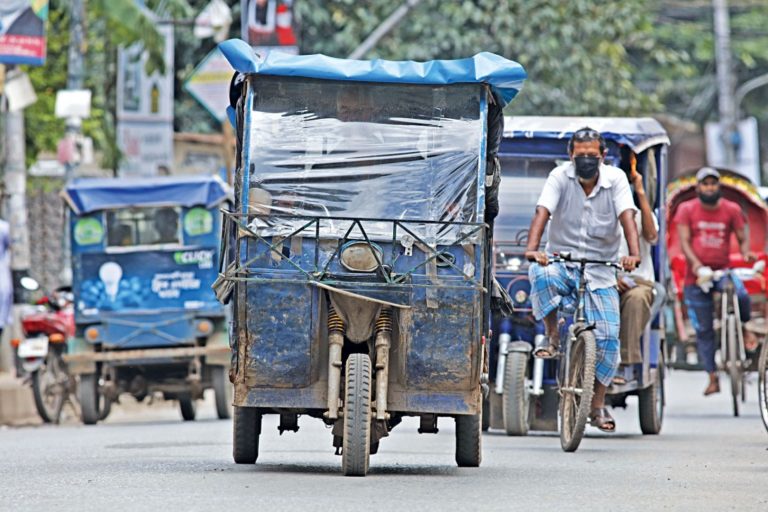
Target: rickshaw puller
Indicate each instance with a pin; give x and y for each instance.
(704, 226)
(587, 200)
(636, 288)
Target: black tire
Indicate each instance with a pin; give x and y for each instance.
(651, 402)
(515, 400)
(355, 451)
(92, 403)
(222, 390)
(574, 407)
(486, 414)
(733, 363)
(762, 383)
(50, 387)
(469, 449)
(188, 407)
(246, 431)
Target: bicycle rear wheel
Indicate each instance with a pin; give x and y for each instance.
(576, 393)
(762, 383)
(733, 362)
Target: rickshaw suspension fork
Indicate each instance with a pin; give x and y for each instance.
(383, 342)
(336, 329)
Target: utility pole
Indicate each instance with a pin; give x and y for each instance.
(725, 80)
(74, 82)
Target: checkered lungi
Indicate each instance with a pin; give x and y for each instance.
(556, 283)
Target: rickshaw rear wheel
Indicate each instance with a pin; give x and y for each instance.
(92, 403)
(651, 402)
(515, 400)
(575, 407)
(246, 431)
(222, 390)
(762, 383)
(469, 452)
(187, 407)
(355, 452)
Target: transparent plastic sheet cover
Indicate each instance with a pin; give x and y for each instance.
(321, 148)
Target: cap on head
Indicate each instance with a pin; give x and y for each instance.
(707, 172)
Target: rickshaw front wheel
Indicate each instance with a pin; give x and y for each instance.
(188, 408)
(222, 390)
(515, 402)
(355, 454)
(762, 383)
(246, 432)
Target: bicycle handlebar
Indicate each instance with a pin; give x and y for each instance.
(565, 257)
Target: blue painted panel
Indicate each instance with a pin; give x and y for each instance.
(444, 341)
(440, 403)
(141, 330)
(280, 324)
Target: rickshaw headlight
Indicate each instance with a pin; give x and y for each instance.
(521, 296)
(514, 264)
(57, 338)
(204, 327)
(361, 256)
(92, 334)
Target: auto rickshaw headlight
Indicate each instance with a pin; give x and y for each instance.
(92, 334)
(204, 327)
(513, 264)
(360, 256)
(521, 296)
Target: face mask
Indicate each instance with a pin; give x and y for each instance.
(709, 199)
(586, 166)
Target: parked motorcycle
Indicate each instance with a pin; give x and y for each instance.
(46, 326)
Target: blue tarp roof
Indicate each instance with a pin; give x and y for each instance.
(504, 76)
(639, 133)
(86, 195)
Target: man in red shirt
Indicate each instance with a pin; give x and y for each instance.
(704, 226)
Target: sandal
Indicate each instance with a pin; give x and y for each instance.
(619, 380)
(602, 419)
(545, 349)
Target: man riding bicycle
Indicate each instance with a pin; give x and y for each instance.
(587, 200)
(704, 226)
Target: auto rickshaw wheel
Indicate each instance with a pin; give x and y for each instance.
(187, 407)
(575, 405)
(92, 402)
(355, 453)
(651, 402)
(469, 449)
(762, 383)
(246, 431)
(486, 414)
(515, 400)
(222, 390)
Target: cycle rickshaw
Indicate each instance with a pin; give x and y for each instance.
(736, 358)
(357, 256)
(524, 392)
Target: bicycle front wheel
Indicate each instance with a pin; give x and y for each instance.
(762, 383)
(733, 362)
(576, 392)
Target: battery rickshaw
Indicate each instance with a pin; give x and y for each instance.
(357, 258)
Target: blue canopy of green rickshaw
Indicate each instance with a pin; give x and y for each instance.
(86, 195)
(639, 133)
(505, 76)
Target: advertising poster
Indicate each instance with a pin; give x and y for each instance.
(22, 31)
(145, 111)
(152, 280)
(269, 25)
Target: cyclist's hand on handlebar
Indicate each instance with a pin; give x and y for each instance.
(539, 257)
(629, 263)
(750, 257)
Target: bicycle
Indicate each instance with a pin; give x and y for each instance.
(576, 377)
(733, 356)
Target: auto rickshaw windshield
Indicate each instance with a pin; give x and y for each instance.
(324, 148)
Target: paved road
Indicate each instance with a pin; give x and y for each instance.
(149, 460)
